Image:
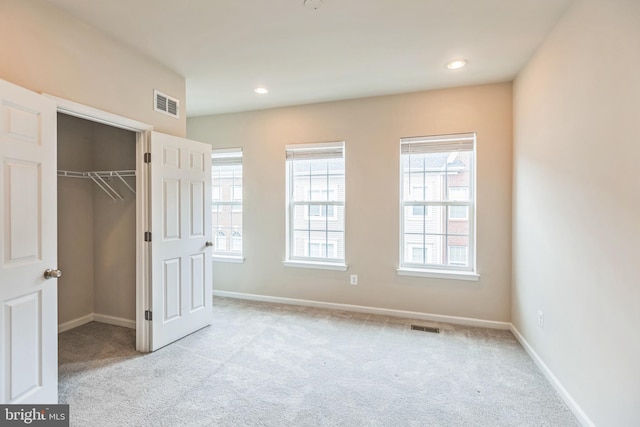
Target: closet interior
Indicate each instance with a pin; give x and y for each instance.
(96, 223)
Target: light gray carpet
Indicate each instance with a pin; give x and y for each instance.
(262, 364)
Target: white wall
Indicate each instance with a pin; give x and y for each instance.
(577, 207)
(372, 129)
(45, 49)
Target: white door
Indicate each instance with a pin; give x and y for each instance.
(181, 264)
(28, 246)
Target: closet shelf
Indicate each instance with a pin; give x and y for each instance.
(99, 178)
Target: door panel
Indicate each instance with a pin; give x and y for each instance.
(28, 242)
(24, 343)
(181, 267)
(22, 222)
(197, 282)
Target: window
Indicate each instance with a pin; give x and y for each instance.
(226, 209)
(420, 254)
(321, 249)
(221, 242)
(458, 255)
(315, 204)
(458, 193)
(317, 212)
(437, 203)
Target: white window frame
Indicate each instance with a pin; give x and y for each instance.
(228, 156)
(442, 144)
(309, 152)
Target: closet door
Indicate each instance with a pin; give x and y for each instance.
(28, 247)
(181, 265)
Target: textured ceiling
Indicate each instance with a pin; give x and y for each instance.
(344, 49)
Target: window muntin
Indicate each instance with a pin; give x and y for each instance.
(226, 209)
(437, 202)
(315, 199)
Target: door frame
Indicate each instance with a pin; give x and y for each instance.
(143, 219)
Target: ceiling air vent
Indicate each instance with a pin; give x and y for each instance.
(166, 104)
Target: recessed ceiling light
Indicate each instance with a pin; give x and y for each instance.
(457, 64)
(261, 90)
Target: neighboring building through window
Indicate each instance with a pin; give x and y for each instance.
(226, 209)
(437, 203)
(315, 199)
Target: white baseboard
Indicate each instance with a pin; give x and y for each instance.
(112, 320)
(75, 323)
(466, 321)
(564, 394)
(96, 317)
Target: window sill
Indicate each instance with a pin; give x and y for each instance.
(231, 259)
(439, 274)
(316, 265)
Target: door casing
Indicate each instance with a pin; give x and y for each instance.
(143, 220)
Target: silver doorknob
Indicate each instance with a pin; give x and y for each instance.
(208, 244)
(52, 274)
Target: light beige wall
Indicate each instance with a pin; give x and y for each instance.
(96, 236)
(114, 226)
(75, 220)
(45, 49)
(372, 129)
(577, 207)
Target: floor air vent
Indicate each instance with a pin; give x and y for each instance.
(425, 329)
(165, 104)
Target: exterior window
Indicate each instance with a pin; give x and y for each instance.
(315, 202)
(420, 254)
(221, 242)
(437, 203)
(236, 242)
(321, 249)
(458, 255)
(458, 193)
(226, 209)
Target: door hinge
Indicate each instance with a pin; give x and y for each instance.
(147, 157)
(147, 315)
(147, 236)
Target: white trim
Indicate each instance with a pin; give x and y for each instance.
(95, 317)
(555, 382)
(72, 324)
(316, 265)
(143, 141)
(112, 320)
(230, 259)
(466, 321)
(439, 274)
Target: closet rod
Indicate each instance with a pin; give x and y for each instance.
(99, 178)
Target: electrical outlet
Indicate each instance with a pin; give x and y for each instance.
(540, 318)
(354, 279)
